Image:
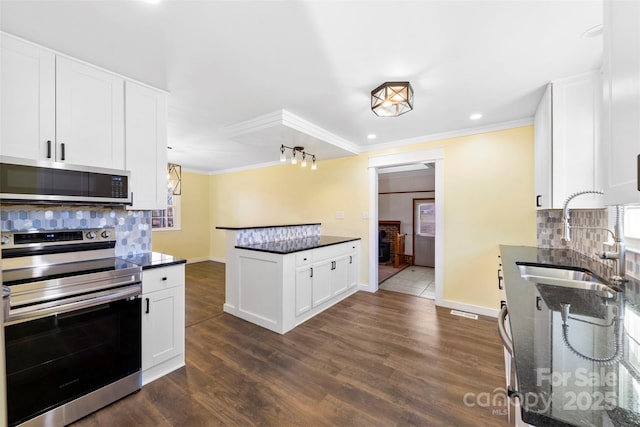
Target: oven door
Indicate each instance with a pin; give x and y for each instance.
(59, 357)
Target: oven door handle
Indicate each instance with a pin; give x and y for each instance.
(24, 314)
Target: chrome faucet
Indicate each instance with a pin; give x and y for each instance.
(619, 252)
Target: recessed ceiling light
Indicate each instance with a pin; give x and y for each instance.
(475, 116)
(151, 1)
(371, 136)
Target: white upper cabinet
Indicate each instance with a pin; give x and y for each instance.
(567, 138)
(621, 106)
(89, 115)
(58, 109)
(146, 145)
(27, 97)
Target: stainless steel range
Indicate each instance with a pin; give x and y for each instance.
(72, 323)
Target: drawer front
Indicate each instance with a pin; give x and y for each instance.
(304, 258)
(156, 279)
(333, 251)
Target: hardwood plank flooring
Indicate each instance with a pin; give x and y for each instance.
(383, 359)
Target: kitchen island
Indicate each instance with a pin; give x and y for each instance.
(280, 276)
(576, 349)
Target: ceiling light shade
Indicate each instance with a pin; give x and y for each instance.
(392, 99)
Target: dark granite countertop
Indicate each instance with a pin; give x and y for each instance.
(155, 260)
(251, 227)
(559, 381)
(297, 245)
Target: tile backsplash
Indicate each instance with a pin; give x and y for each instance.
(251, 236)
(132, 228)
(587, 240)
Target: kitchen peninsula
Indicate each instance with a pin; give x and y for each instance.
(279, 276)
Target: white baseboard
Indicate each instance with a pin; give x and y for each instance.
(475, 309)
(215, 259)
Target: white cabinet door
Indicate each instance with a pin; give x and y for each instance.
(340, 275)
(567, 140)
(542, 150)
(146, 145)
(352, 273)
(162, 326)
(576, 140)
(321, 282)
(89, 115)
(621, 129)
(304, 281)
(27, 96)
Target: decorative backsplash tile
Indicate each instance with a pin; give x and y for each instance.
(132, 228)
(274, 234)
(588, 234)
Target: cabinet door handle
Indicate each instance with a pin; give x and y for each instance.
(500, 280)
(147, 309)
(164, 278)
(538, 202)
(48, 149)
(350, 259)
(311, 272)
(62, 155)
(538, 301)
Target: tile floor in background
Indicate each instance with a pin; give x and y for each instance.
(414, 280)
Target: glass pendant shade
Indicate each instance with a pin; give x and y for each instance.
(392, 99)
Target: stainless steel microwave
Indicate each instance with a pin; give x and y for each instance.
(32, 181)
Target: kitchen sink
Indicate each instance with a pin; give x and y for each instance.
(565, 277)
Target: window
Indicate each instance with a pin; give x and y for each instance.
(426, 219)
(169, 219)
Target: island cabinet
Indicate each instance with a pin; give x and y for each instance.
(163, 310)
(279, 291)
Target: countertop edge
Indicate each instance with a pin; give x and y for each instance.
(266, 226)
(346, 239)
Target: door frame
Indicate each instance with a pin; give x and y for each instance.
(413, 210)
(425, 155)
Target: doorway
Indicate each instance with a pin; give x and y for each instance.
(377, 164)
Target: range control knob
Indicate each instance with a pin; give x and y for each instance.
(91, 235)
(105, 234)
(5, 240)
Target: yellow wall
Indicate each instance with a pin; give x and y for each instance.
(488, 201)
(288, 194)
(191, 242)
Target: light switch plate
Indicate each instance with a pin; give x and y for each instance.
(339, 214)
(365, 214)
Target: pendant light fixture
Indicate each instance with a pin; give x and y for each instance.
(392, 99)
(295, 153)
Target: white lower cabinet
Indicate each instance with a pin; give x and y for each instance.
(162, 321)
(279, 292)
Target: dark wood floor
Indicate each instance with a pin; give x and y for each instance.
(381, 359)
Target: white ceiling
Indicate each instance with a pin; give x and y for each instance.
(231, 64)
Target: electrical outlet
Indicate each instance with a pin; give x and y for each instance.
(365, 214)
(339, 214)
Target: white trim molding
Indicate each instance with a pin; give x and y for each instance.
(428, 155)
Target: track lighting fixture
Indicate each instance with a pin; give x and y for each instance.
(295, 152)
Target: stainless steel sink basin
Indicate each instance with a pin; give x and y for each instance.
(565, 277)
